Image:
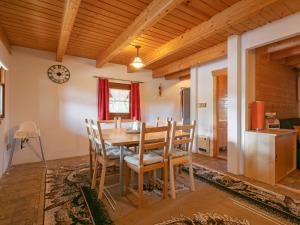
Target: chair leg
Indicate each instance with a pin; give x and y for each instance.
(141, 188)
(91, 163)
(102, 180)
(154, 175)
(172, 182)
(165, 191)
(127, 175)
(191, 174)
(151, 177)
(95, 172)
(132, 177)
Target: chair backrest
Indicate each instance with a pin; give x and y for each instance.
(153, 145)
(90, 133)
(159, 122)
(184, 140)
(125, 123)
(98, 139)
(28, 126)
(109, 123)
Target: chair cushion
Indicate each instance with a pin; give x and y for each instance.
(159, 152)
(177, 152)
(149, 158)
(114, 153)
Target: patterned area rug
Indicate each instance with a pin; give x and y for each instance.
(282, 205)
(205, 219)
(66, 196)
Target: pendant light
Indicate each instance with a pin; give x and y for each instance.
(137, 61)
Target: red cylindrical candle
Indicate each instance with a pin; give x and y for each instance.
(258, 115)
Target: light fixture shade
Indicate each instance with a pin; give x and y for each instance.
(137, 62)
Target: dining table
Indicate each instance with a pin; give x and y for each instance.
(122, 137)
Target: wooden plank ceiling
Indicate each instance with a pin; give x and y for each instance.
(97, 24)
(285, 52)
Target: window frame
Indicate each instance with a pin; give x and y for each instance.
(2, 84)
(2, 116)
(121, 86)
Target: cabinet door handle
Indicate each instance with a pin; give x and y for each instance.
(276, 157)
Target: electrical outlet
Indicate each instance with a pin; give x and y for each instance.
(202, 105)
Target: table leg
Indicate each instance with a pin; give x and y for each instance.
(121, 168)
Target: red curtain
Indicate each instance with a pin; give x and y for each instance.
(135, 107)
(103, 99)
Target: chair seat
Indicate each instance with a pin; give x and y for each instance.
(149, 158)
(114, 153)
(177, 153)
(26, 134)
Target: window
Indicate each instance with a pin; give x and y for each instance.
(119, 100)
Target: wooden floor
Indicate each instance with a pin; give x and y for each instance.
(22, 199)
(288, 186)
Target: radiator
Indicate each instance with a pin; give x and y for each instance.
(203, 144)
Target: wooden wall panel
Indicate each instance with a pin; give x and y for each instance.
(222, 101)
(276, 85)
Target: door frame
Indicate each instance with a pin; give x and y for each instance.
(215, 75)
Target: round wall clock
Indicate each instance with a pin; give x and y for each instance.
(58, 74)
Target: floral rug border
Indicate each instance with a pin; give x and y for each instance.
(282, 205)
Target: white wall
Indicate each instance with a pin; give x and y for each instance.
(202, 92)
(4, 126)
(59, 110)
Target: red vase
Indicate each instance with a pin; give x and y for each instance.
(258, 115)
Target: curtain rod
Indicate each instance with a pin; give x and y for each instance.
(109, 78)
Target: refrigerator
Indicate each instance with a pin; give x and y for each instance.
(185, 102)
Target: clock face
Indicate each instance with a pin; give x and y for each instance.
(58, 74)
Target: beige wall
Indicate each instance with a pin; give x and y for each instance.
(59, 110)
(4, 126)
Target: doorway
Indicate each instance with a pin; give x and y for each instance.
(220, 103)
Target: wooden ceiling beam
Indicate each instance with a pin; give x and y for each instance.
(70, 11)
(177, 75)
(291, 61)
(204, 56)
(284, 44)
(221, 21)
(4, 39)
(187, 77)
(285, 53)
(155, 11)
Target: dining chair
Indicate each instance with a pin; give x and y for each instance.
(125, 123)
(144, 162)
(109, 123)
(105, 157)
(159, 122)
(92, 151)
(179, 155)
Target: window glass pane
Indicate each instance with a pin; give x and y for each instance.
(118, 101)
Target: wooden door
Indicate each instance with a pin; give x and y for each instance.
(220, 113)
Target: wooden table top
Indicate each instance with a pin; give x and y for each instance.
(119, 136)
